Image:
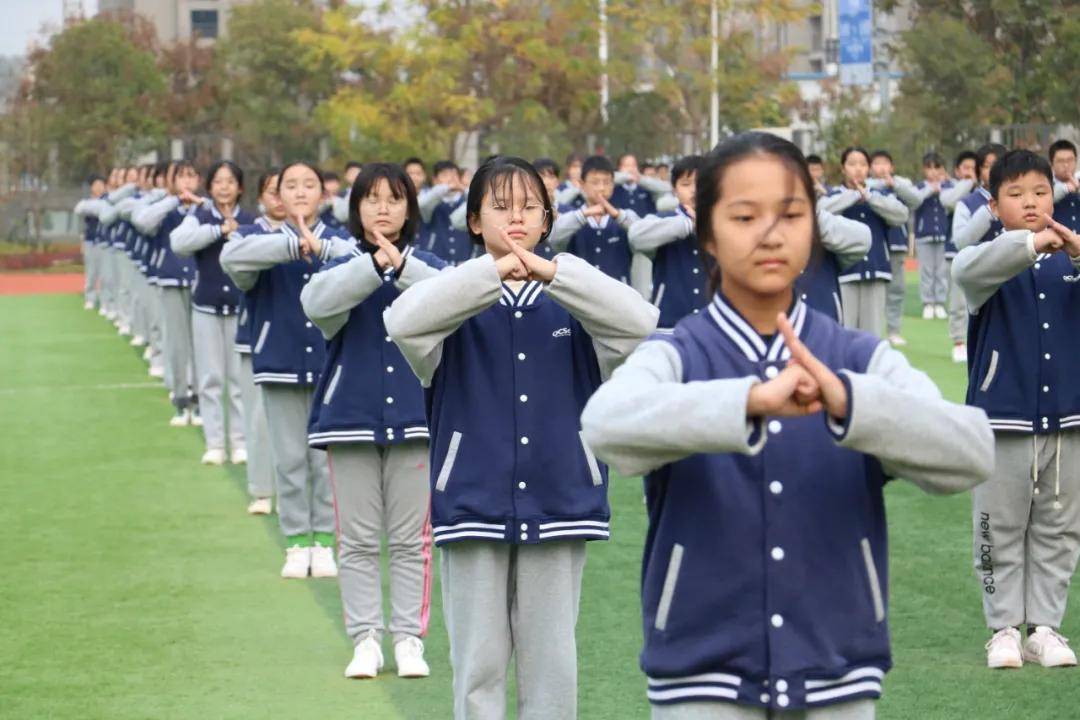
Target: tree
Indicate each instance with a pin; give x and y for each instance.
(95, 95)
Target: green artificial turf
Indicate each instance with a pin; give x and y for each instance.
(135, 586)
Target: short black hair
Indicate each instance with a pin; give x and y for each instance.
(232, 167)
(300, 163)
(492, 177)
(353, 164)
(597, 163)
(686, 166)
(853, 149)
(444, 165)
(879, 154)
(647, 165)
(265, 179)
(400, 186)
(1059, 146)
(161, 169)
(626, 155)
(1014, 164)
(574, 158)
(932, 159)
(966, 155)
(546, 164)
(94, 178)
(985, 151)
(814, 160)
(413, 161)
(330, 175)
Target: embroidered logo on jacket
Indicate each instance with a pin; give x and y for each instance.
(561, 332)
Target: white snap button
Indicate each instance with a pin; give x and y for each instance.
(307, 324)
(524, 398)
(1047, 356)
(1037, 266)
(521, 356)
(1046, 388)
(306, 276)
(308, 349)
(777, 620)
(782, 700)
(771, 371)
(389, 401)
(524, 536)
(1042, 296)
(778, 553)
(524, 527)
(776, 487)
(517, 313)
(781, 686)
(765, 697)
(387, 338)
(521, 486)
(1046, 326)
(389, 368)
(774, 426)
(524, 440)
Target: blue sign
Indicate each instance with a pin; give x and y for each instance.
(856, 42)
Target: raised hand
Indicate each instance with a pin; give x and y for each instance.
(609, 208)
(1070, 241)
(1049, 239)
(229, 227)
(310, 246)
(189, 198)
(593, 210)
(387, 255)
(792, 393)
(511, 268)
(536, 267)
(833, 394)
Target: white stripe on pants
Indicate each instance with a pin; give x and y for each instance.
(383, 489)
(864, 305)
(260, 468)
(218, 371)
(176, 328)
(521, 601)
(305, 503)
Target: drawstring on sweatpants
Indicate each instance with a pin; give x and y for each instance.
(1057, 468)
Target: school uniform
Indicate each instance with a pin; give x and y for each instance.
(679, 271)
(287, 358)
(569, 195)
(951, 194)
(144, 316)
(973, 223)
(933, 228)
(844, 242)
(1023, 336)
(634, 196)
(259, 468)
(791, 509)
(1066, 206)
(112, 244)
(173, 275)
(863, 286)
(215, 305)
(368, 414)
(897, 240)
(441, 238)
(602, 242)
(515, 492)
(88, 209)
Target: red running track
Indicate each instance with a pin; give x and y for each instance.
(40, 283)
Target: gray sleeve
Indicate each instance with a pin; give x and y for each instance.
(1060, 191)
(645, 416)
(968, 228)
(889, 207)
(567, 195)
(897, 414)
(340, 207)
(667, 203)
(109, 215)
(655, 186)
(243, 257)
(148, 218)
(653, 231)
(458, 217)
(910, 195)
(979, 270)
(839, 202)
(415, 270)
(614, 314)
(429, 199)
(427, 313)
(335, 247)
(849, 240)
(125, 206)
(331, 294)
(190, 236)
(563, 230)
(952, 195)
(124, 191)
(627, 219)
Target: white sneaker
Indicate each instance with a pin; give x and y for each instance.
(927, 312)
(940, 313)
(123, 329)
(409, 658)
(367, 658)
(261, 506)
(896, 341)
(1048, 648)
(322, 562)
(156, 371)
(138, 341)
(103, 312)
(88, 305)
(196, 416)
(959, 353)
(182, 418)
(110, 315)
(1004, 651)
(213, 456)
(148, 353)
(238, 456)
(297, 562)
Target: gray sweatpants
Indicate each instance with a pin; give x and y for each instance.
(122, 273)
(521, 601)
(218, 368)
(894, 300)
(176, 329)
(91, 272)
(958, 314)
(864, 305)
(107, 278)
(383, 489)
(933, 272)
(1027, 529)
(260, 469)
(854, 710)
(305, 502)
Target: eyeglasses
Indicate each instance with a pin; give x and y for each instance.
(392, 203)
(531, 215)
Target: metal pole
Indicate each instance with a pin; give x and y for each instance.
(714, 67)
(604, 89)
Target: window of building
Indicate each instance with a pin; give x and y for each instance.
(204, 23)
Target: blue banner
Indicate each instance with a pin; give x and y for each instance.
(856, 42)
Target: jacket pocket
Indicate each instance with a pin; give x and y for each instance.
(332, 386)
(448, 462)
(594, 467)
(991, 372)
(667, 595)
(872, 579)
(262, 337)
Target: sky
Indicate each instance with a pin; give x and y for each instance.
(23, 20)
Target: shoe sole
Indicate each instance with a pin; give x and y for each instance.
(361, 676)
(414, 676)
(1028, 657)
(294, 577)
(323, 575)
(1005, 665)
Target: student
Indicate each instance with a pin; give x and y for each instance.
(174, 276)
(549, 173)
(115, 233)
(932, 228)
(678, 273)
(437, 203)
(352, 169)
(216, 304)
(596, 232)
(881, 171)
(768, 432)
(287, 358)
(368, 414)
(569, 193)
(844, 242)
(962, 183)
(663, 172)
(259, 468)
(508, 347)
(1023, 339)
(154, 353)
(863, 285)
(973, 221)
(88, 209)
(1066, 184)
(417, 172)
(817, 173)
(630, 192)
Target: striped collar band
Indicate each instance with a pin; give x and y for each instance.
(732, 324)
(317, 230)
(526, 296)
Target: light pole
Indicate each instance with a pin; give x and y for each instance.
(714, 68)
(604, 89)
